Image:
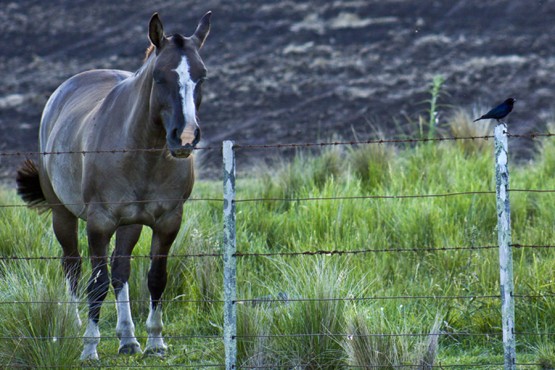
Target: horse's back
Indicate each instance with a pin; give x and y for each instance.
(64, 120)
(74, 100)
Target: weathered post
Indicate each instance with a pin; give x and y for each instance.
(230, 262)
(505, 250)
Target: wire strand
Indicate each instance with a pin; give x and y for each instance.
(359, 299)
(131, 257)
(108, 337)
(361, 251)
(104, 366)
(278, 145)
(175, 300)
(297, 199)
(377, 335)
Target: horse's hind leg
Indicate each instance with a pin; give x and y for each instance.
(100, 229)
(65, 228)
(126, 238)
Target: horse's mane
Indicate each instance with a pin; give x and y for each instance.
(178, 39)
(149, 51)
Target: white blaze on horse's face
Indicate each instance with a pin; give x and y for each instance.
(186, 91)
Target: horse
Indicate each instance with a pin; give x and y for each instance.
(116, 151)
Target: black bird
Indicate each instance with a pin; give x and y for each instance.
(500, 111)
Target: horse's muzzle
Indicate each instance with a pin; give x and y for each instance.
(183, 152)
(188, 145)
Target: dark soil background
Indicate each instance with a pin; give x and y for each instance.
(291, 71)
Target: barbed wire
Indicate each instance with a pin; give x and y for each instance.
(389, 366)
(538, 295)
(374, 366)
(321, 252)
(100, 151)
(107, 337)
(534, 334)
(375, 335)
(139, 201)
(532, 135)
(250, 200)
(384, 141)
(331, 252)
(256, 300)
(399, 297)
(359, 197)
(349, 336)
(285, 199)
(119, 366)
(522, 246)
(360, 251)
(247, 254)
(359, 299)
(279, 145)
(358, 142)
(131, 257)
(264, 300)
(260, 300)
(58, 302)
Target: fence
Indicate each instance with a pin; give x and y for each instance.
(230, 254)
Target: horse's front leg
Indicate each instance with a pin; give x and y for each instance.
(99, 234)
(162, 239)
(126, 238)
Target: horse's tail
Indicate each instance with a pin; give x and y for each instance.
(28, 186)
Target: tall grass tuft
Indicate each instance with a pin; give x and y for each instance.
(366, 348)
(545, 354)
(44, 333)
(317, 320)
(372, 165)
(461, 125)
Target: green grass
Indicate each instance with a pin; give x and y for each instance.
(418, 224)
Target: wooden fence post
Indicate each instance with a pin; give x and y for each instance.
(505, 249)
(230, 261)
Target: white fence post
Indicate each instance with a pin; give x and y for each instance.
(230, 261)
(505, 249)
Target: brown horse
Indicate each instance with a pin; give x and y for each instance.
(99, 111)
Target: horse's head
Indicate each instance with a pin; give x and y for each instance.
(177, 76)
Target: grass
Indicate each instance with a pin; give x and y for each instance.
(469, 327)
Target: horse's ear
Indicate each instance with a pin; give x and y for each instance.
(203, 29)
(156, 31)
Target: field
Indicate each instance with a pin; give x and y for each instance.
(406, 280)
(431, 269)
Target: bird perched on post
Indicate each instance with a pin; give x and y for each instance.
(500, 111)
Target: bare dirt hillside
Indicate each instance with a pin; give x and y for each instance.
(291, 71)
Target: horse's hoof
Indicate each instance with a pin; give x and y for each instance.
(130, 349)
(89, 356)
(155, 351)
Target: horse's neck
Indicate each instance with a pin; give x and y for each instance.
(140, 131)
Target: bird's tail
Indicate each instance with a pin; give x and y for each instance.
(477, 119)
